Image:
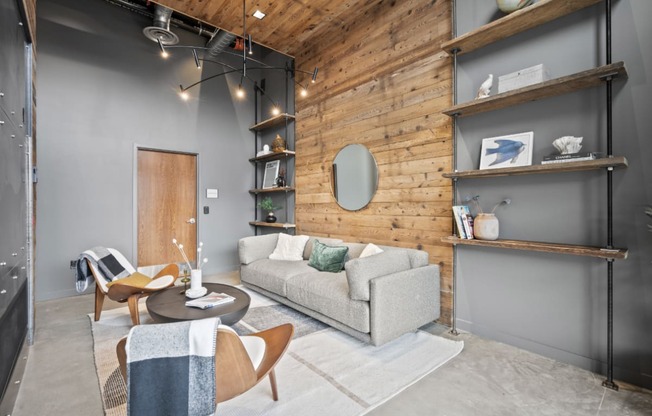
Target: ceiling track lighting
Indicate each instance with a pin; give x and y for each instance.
(246, 43)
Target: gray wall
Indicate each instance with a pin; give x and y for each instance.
(555, 304)
(103, 90)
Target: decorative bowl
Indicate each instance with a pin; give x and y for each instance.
(508, 6)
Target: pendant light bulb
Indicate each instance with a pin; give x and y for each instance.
(164, 53)
(183, 93)
(304, 92)
(240, 92)
(275, 111)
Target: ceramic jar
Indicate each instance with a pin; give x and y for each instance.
(270, 218)
(485, 227)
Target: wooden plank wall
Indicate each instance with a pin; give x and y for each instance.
(383, 81)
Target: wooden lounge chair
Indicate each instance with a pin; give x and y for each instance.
(240, 362)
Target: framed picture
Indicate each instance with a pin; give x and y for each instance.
(507, 151)
(271, 173)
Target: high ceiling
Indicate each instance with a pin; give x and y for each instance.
(287, 24)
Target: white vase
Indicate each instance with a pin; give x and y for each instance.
(485, 227)
(195, 279)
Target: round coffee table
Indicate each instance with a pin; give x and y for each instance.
(169, 305)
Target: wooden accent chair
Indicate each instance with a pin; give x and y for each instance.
(240, 362)
(127, 293)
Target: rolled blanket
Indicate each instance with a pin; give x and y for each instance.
(171, 368)
(112, 267)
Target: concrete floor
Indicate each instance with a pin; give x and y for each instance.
(487, 378)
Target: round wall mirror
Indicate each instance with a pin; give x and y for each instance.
(354, 177)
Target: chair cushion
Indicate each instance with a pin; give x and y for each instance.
(289, 247)
(327, 258)
(136, 280)
(255, 347)
(161, 282)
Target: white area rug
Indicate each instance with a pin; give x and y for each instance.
(324, 372)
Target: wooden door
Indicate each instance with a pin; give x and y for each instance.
(167, 206)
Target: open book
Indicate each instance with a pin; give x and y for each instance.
(210, 300)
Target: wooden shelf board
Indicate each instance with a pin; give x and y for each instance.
(573, 250)
(271, 224)
(558, 86)
(519, 21)
(273, 156)
(603, 163)
(267, 190)
(271, 122)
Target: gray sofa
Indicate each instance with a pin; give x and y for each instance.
(375, 299)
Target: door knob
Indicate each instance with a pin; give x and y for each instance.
(191, 221)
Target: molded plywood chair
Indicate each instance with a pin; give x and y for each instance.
(127, 291)
(240, 362)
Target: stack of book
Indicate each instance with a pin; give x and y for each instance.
(572, 157)
(210, 300)
(464, 221)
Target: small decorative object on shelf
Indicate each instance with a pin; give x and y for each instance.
(568, 144)
(485, 87)
(523, 78)
(268, 205)
(264, 152)
(509, 6)
(486, 225)
(280, 180)
(278, 144)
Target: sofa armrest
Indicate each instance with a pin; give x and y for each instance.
(402, 302)
(256, 247)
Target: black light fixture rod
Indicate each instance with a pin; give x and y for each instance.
(194, 54)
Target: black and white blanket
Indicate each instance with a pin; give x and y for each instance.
(110, 266)
(171, 368)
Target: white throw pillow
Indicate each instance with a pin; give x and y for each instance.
(370, 250)
(289, 247)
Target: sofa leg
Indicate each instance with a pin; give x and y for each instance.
(99, 302)
(132, 301)
(272, 380)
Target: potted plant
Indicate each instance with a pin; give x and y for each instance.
(268, 205)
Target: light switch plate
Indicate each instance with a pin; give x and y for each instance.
(211, 193)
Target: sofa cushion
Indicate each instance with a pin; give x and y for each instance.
(418, 258)
(354, 250)
(272, 275)
(327, 258)
(324, 240)
(289, 247)
(328, 294)
(257, 247)
(361, 270)
(370, 250)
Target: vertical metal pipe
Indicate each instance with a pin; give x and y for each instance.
(454, 138)
(256, 167)
(29, 190)
(609, 383)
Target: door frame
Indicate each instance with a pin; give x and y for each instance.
(134, 177)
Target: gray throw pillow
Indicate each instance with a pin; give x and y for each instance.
(361, 270)
(327, 258)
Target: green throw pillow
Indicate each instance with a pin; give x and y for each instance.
(327, 258)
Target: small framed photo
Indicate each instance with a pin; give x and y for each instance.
(507, 151)
(271, 173)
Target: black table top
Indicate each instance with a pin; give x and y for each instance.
(169, 305)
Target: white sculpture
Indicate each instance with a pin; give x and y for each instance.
(568, 144)
(485, 88)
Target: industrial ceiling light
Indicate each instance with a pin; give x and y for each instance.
(247, 48)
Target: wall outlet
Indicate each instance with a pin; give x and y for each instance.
(73, 264)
